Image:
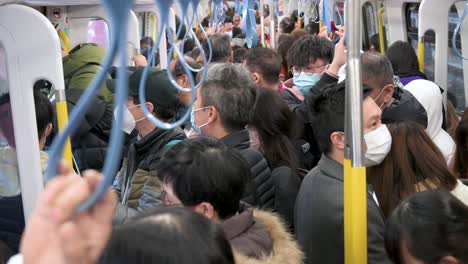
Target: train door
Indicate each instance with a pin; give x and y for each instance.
(442, 18)
(24, 46)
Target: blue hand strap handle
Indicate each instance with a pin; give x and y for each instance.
(237, 7)
(326, 19)
(119, 11)
(249, 23)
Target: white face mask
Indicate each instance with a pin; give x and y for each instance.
(379, 143)
(129, 121)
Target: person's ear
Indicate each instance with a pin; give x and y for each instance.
(388, 93)
(150, 107)
(338, 139)
(205, 209)
(255, 77)
(231, 57)
(449, 260)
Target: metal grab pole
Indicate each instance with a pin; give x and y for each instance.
(355, 192)
(272, 25)
(381, 31)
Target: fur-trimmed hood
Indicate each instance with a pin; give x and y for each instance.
(285, 248)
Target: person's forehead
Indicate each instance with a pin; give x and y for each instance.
(370, 109)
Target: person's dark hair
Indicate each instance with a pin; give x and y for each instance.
(179, 69)
(298, 33)
(183, 31)
(205, 170)
(170, 236)
(194, 53)
(189, 45)
(326, 108)
(232, 92)
(147, 40)
(229, 15)
(287, 25)
(239, 54)
(405, 171)
(160, 112)
(312, 28)
(294, 15)
(285, 42)
(237, 33)
(403, 58)
(221, 47)
(431, 225)
(274, 123)
(44, 112)
(266, 62)
(308, 49)
(461, 154)
(375, 41)
(376, 69)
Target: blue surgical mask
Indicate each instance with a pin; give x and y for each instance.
(192, 121)
(305, 81)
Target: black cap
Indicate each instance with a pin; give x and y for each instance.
(159, 89)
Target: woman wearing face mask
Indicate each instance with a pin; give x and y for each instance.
(414, 164)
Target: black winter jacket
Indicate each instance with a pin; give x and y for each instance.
(287, 185)
(90, 140)
(261, 190)
(304, 140)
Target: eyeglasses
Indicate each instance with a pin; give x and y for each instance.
(308, 69)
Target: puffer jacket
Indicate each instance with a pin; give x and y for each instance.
(261, 189)
(90, 140)
(81, 66)
(260, 237)
(137, 184)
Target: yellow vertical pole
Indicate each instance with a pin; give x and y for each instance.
(381, 31)
(62, 121)
(421, 53)
(355, 194)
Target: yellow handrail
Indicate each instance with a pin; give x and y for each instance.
(381, 31)
(421, 54)
(62, 120)
(65, 40)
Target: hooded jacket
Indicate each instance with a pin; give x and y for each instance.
(261, 189)
(137, 184)
(428, 95)
(81, 66)
(260, 237)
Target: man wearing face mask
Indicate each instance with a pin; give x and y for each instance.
(316, 62)
(319, 204)
(222, 109)
(136, 183)
(397, 104)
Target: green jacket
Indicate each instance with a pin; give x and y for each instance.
(81, 66)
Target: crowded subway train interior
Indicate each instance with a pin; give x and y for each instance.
(233, 131)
